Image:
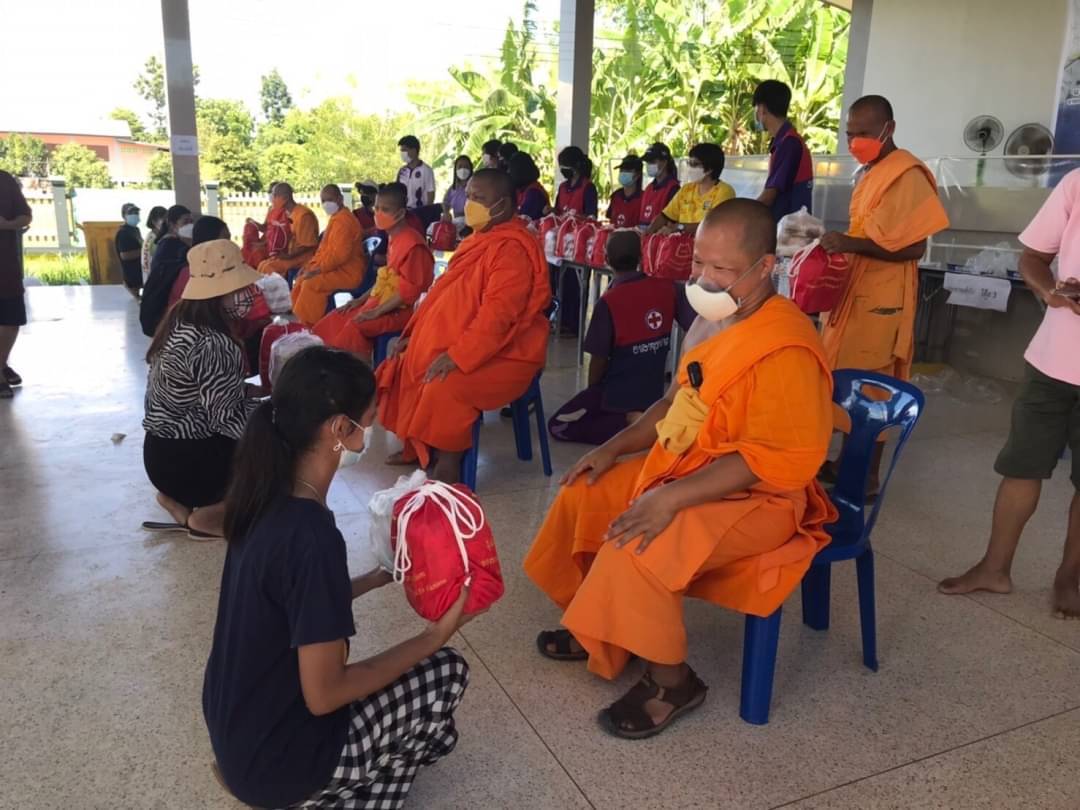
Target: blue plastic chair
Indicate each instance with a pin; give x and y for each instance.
(382, 348)
(899, 406)
(522, 434)
(366, 283)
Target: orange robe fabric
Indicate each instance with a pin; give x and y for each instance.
(341, 264)
(272, 239)
(411, 268)
(303, 237)
(487, 312)
(895, 204)
(766, 396)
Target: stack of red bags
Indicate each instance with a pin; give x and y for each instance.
(668, 255)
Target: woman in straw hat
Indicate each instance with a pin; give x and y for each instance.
(195, 403)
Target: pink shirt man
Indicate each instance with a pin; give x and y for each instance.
(1056, 229)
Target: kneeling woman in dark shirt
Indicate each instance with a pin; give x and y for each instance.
(290, 721)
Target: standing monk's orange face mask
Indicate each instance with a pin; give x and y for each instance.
(867, 150)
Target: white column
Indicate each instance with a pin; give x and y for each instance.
(855, 70)
(574, 93)
(213, 205)
(60, 211)
(347, 192)
(180, 85)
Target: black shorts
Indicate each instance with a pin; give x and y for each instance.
(1045, 420)
(193, 472)
(13, 311)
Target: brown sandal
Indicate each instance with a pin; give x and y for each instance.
(560, 639)
(627, 718)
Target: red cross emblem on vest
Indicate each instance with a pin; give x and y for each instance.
(654, 320)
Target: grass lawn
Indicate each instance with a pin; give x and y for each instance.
(55, 269)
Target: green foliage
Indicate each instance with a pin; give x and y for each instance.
(23, 156)
(138, 131)
(160, 172)
(55, 269)
(151, 88)
(226, 131)
(79, 166)
(274, 97)
(224, 118)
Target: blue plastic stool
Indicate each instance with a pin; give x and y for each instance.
(900, 407)
(522, 434)
(382, 347)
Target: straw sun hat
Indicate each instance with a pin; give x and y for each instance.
(217, 268)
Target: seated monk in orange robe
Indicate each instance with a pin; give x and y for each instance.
(303, 233)
(263, 240)
(338, 263)
(387, 307)
(476, 341)
(894, 209)
(724, 507)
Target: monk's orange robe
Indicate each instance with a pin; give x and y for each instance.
(303, 237)
(272, 239)
(487, 312)
(341, 264)
(766, 395)
(409, 270)
(895, 204)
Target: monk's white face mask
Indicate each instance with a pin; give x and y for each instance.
(716, 305)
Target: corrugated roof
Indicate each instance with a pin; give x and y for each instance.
(46, 124)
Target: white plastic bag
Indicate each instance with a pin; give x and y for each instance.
(285, 347)
(275, 290)
(796, 231)
(381, 507)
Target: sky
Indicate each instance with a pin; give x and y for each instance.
(81, 58)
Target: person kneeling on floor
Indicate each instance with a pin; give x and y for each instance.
(290, 720)
(724, 506)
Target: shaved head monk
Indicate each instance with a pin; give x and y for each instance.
(723, 507)
(476, 341)
(338, 263)
(303, 233)
(387, 307)
(894, 209)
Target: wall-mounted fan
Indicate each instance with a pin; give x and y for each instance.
(1029, 140)
(983, 133)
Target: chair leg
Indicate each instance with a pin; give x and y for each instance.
(522, 434)
(816, 596)
(759, 664)
(471, 457)
(542, 435)
(864, 571)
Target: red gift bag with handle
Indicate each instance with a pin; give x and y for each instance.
(566, 238)
(818, 278)
(666, 255)
(441, 538)
(598, 249)
(279, 328)
(443, 236)
(583, 240)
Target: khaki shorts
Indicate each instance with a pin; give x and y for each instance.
(1045, 420)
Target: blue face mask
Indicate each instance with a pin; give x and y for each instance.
(132, 219)
(626, 178)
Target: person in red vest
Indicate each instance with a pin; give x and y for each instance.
(576, 194)
(624, 210)
(790, 184)
(628, 341)
(660, 167)
(532, 198)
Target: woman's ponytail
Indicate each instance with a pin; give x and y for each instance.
(262, 470)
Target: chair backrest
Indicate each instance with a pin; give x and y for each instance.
(874, 403)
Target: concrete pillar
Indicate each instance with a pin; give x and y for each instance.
(855, 70)
(213, 206)
(180, 85)
(60, 210)
(347, 192)
(574, 94)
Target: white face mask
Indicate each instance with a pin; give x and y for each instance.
(652, 169)
(695, 174)
(405, 157)
(463, 173)
(186, 231)
(349, 458)
(719, 305)
(490, 162)
(330, 207)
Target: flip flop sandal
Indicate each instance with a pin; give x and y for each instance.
(195, 534)
(160, 526)
(626, 718)
(560, 639)
(11, 377)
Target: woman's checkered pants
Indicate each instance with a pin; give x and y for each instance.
(393, 732)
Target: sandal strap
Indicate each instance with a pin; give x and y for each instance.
(630, 708)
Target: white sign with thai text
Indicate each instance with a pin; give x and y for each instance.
(981, 292)
(184, 145)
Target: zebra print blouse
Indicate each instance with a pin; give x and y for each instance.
(195, 387)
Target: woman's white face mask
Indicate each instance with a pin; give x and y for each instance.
(716, 305)
(349, 458)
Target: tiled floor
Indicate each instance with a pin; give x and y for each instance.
(104, 631)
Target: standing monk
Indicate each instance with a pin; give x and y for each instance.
(338, 263)
(409, 271)
(303, 233)
(477, 340)
(724, 506)
(894, 209)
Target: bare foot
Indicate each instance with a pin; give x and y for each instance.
(177, 511)
(977, 579)
(1066, 601)
(398, 459)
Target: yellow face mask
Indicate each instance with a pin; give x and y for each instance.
(478, 215)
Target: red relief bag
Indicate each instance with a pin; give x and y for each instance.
(583, 240)
(443, 236)
(441, 538)
(566, 238)
(598, 251)
(668, 256)
(818, 279)
(279, 328)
